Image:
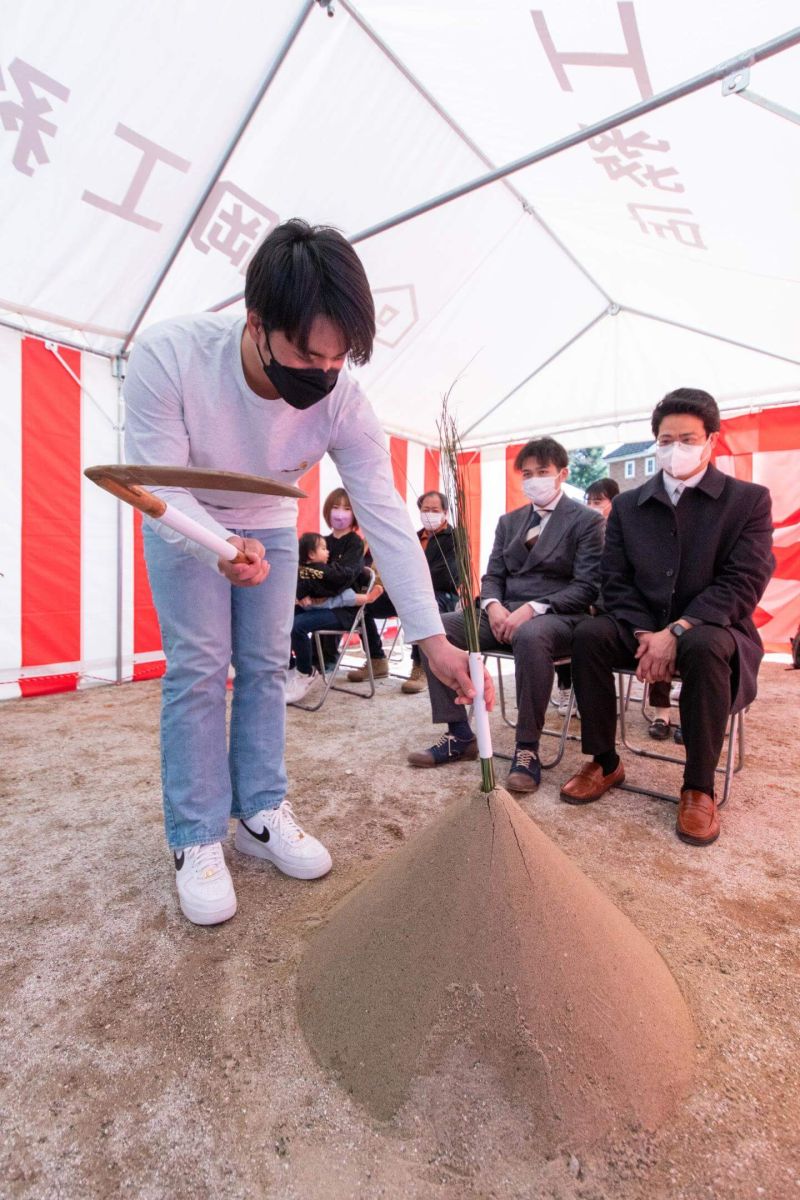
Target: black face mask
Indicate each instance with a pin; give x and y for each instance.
(299, 386)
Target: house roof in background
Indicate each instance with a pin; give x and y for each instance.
(628, 450)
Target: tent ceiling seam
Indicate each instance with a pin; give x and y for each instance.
(305, 8)
(720, 337)
(608, 311)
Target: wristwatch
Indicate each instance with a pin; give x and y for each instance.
(677, 630)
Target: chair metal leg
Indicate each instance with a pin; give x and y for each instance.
(330, 686)
(734, 758)
(563, 734)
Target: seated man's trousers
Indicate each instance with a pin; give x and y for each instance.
(535, 646)
(705, 657)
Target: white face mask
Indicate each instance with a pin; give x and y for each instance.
(432, 520)
(679, 460)
(541, 489)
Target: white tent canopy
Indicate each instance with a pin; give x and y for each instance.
(149, 147)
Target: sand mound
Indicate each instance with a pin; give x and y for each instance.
(479, 947)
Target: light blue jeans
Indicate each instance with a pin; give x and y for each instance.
(207, 623)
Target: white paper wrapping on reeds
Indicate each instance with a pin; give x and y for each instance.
(193, 530)
(479, 712)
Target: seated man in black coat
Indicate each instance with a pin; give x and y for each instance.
(687, 558)
(543, 574)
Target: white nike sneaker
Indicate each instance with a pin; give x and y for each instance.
(205, 888)
(275, 835)
(297, 684)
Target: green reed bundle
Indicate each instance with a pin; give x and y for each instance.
(454, 487)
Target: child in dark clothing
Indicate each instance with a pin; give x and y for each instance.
(322, 603)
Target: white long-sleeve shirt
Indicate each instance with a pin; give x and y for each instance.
(188, 404)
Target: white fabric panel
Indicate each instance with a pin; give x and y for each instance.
(341, 138)
(11, 524)
(99, 444)
(480, 311)
(688, 213)
(617, 372)
(493, 497)
(180, 75)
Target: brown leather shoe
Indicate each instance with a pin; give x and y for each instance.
(590, 783)
(698, 819)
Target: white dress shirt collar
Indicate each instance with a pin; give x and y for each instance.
(674, 487)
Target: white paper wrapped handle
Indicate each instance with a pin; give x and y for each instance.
(482, 731)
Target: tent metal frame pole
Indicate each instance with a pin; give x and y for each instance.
(291, 37)
(556, 354)
(26, 331)
(719, 337)
(740, 62)
(462, 134)
(118, 367)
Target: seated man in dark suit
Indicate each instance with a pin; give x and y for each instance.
(687, 557)
(542, 576)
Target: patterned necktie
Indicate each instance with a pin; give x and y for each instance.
(533, 530)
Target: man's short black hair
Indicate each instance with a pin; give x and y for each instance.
(602, 489)
(307, 544)
(442, 499)
(545, 450)
(691, 401)
(303, 271)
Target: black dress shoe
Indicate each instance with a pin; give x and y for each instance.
(659, 730)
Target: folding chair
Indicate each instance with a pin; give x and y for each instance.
(562, 733)
(345, 636)
(734, 758)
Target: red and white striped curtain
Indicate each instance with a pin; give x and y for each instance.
(70, 618)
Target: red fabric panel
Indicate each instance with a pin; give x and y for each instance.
(146, 633)
(469, 467)
(432, 482)
(757, 434)
(308, 510)
(787, 562)
(515, 497)
(773, 429)
(51, 514)
(47, 685)
(398, 448)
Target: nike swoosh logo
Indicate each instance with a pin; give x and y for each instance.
(260, 837)
(179, 860)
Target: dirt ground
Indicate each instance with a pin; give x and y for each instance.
(143, 1056)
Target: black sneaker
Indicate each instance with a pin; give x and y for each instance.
(448, 749)
(525, 773)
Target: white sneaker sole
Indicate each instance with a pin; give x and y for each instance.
(200, 914)
(311, 868)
